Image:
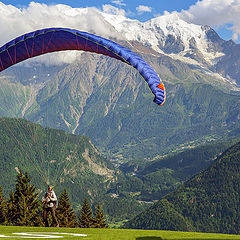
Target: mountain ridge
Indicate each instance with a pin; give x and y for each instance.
(208, 202)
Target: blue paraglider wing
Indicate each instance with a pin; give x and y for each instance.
(59, 39)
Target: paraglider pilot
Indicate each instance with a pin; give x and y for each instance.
(49, 205)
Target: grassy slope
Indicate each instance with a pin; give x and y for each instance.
(110, 234)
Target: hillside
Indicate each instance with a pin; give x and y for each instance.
(152, 179)
(72, 162)
(65, 161)
(209, 202)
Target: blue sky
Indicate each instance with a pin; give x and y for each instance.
(203, 12)
(158, 6)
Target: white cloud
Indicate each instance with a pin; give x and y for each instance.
(141, 9)
(119, 2)
(235, 37)
(113, 10)
(215, 13)
(15, 22)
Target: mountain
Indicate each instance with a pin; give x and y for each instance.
(50, 156)
(109, 102)
(63, 160)
(209, 202)
(196, 45)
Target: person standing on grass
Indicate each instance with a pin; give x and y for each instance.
(49, 205)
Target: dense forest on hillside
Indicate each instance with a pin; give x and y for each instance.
(65, 161)
(52, 155)
(209, 202)
(72, 162)
(156, 178)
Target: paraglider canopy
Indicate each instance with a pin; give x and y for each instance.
(59, 39)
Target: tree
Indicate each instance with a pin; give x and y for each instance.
(99, 221)
(11, 208)
(65, 212)
(86, 217)
(3, 207)
(24, 206)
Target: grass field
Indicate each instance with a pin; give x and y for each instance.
(102, 234)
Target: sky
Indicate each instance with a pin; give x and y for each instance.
(151, 6)
(222, 15)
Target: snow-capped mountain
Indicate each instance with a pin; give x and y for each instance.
(165, 34)
(108, 101)
(193, 44)
(155, 33)
(198, 46)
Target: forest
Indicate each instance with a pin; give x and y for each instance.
(208, 202)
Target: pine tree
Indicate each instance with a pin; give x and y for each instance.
(65, 212)
(86, 217)
(11, 209)
(3, 207)
(99, 221)
(25, 202)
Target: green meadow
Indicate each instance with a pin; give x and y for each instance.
(102, 234)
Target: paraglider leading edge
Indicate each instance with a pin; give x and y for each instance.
(59, 39)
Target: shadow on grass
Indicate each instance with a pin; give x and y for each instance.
(149, 238)
(159, 238)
